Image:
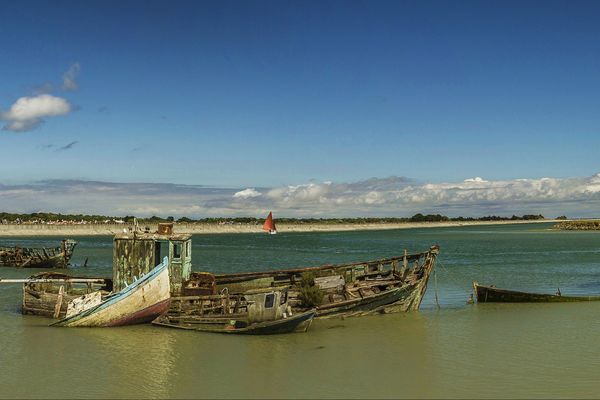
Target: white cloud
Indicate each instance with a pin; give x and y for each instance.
(247, 194)
(476, 180)
(69, 77)
(27, 113)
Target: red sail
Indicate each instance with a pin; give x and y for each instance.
(269, 225)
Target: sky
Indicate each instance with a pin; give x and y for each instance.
(304, 107)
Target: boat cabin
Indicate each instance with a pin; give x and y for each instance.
(269, 305)
(136, 253)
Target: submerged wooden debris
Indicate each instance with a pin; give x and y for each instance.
(38, 257)
(492, 294)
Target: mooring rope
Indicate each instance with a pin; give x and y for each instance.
(450, 276)
(437, 301)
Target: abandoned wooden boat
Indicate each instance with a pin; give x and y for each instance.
(134, 254)
(38, 257)
(142, 301)
(378, 286)
(48, 293)
(492, 294)
(388, 285)
(262, 312)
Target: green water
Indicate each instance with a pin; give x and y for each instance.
(460, 350)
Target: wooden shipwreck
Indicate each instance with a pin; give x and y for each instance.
(492, 294)
(144, 300)
(38, 257)
(378, 286)
(135, 254)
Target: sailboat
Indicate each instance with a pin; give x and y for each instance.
(269, 225)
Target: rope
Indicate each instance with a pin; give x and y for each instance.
(450, 276)
(437, 301)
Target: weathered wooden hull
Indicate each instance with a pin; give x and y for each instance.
(398, 299)
(490, 294)
(400, 288)
(295, 323)
(143, 301)
(42, 257)
(363, 306)
(45, 304)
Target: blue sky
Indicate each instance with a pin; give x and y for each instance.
(244, 94)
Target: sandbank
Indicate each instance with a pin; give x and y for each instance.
(205, 228)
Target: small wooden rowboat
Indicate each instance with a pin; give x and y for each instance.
(142, 301)
(492, 294)
(261, 312)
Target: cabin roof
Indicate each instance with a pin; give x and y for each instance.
(152, 236)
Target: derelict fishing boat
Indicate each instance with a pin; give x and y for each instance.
(38, 257)
(262, 312)
(377, 286)
(394, 284)
(142, 301)
(269, 225)
(492, 294)
(134, 254)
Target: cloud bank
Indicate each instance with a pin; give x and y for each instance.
(393, 196)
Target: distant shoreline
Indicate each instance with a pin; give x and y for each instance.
(10, 230)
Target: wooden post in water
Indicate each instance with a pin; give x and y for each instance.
(59, 300)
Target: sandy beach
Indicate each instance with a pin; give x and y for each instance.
(202, 228)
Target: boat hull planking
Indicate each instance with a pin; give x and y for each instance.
(296, 323)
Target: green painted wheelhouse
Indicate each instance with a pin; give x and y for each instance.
(136, 253)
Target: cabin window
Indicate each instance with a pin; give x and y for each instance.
(188, 249)
(176, 250)
(283, 297)
(269, 300)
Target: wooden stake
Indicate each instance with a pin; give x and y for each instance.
(59, 300)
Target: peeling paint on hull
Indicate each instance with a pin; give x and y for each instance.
(140, 302)
(144, 316)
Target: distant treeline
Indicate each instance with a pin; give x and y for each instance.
(81, 218)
